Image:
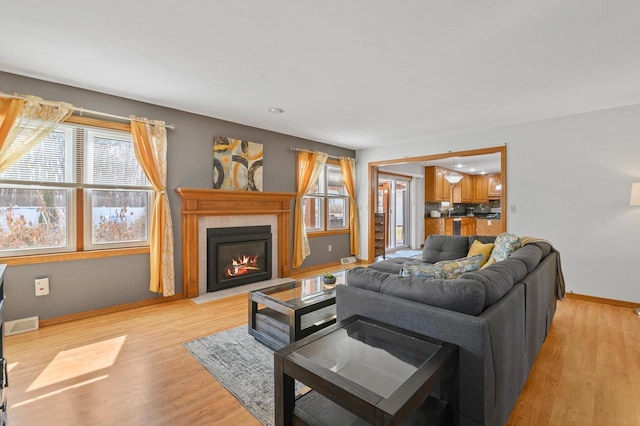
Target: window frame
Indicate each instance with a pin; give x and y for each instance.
(324, 198)
(77, 209)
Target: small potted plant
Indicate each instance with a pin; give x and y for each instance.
(329, 278)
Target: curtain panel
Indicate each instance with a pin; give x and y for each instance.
(150, 147)
(24, 123)
(309, 166)
(348, 170)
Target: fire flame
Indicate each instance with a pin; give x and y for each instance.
(242, 265)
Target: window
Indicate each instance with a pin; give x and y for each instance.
(326, 207)
(80, 188)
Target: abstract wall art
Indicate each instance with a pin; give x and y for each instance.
(237, 164)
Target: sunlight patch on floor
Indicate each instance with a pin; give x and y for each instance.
(58, 391)
(79, 361)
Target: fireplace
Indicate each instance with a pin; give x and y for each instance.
(237, 256)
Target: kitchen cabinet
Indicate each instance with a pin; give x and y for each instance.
(494, 189)
(468, 226)
(480, 189)
(463, 190)
(436, 187)
(488, 226)
(448, 226)
(433, 226)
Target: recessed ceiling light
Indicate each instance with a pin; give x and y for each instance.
(276, 111)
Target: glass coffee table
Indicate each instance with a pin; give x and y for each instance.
(362, 371)
(285, 313)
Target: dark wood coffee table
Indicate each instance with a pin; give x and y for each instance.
(362, 371)
(285, 313)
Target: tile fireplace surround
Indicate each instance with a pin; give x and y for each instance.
(210, 208)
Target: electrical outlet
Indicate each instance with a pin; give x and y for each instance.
(512, 208)
(329, 247)
(42, 286)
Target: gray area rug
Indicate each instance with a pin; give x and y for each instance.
(242, 365)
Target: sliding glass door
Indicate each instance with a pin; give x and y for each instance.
(394, 201)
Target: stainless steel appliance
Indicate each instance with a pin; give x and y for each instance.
(457, 226)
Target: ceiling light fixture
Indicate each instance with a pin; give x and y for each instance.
(275, 111)
(451, 178)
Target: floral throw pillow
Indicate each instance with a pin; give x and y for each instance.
(503, 246)
(454, 268)
(445, 269)
(422, 271)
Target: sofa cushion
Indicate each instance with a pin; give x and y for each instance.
(465, 296)
(366, 278)
(439, 247)
(478, 247)
(530, 255)
(393, 265)
(485, 239)
(504, 245)
(497, 279)
(545, 247)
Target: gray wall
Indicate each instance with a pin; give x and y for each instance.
(82, 285)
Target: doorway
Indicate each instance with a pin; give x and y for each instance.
(393, 199)
(374, 170)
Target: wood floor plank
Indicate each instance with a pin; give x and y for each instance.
(129, 368)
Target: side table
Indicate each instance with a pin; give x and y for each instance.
(362, 371)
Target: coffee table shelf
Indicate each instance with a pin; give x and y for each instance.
(313, 408)
(285, 313)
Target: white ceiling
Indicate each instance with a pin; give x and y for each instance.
(357, 73)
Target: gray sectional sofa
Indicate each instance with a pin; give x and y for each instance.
(499, 316)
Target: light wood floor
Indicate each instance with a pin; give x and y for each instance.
(129, 368)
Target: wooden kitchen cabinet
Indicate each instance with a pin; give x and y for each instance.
(480, 189)
(436, 187)
(463, 190)
(466, 189)
(494, 189)
(448, 226)
(433, 226)
(468, 226)
(488, 227)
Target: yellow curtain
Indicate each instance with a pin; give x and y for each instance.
(25, 123)
(309, 167)
(348, 170)
(10, 110)
(150, 147)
